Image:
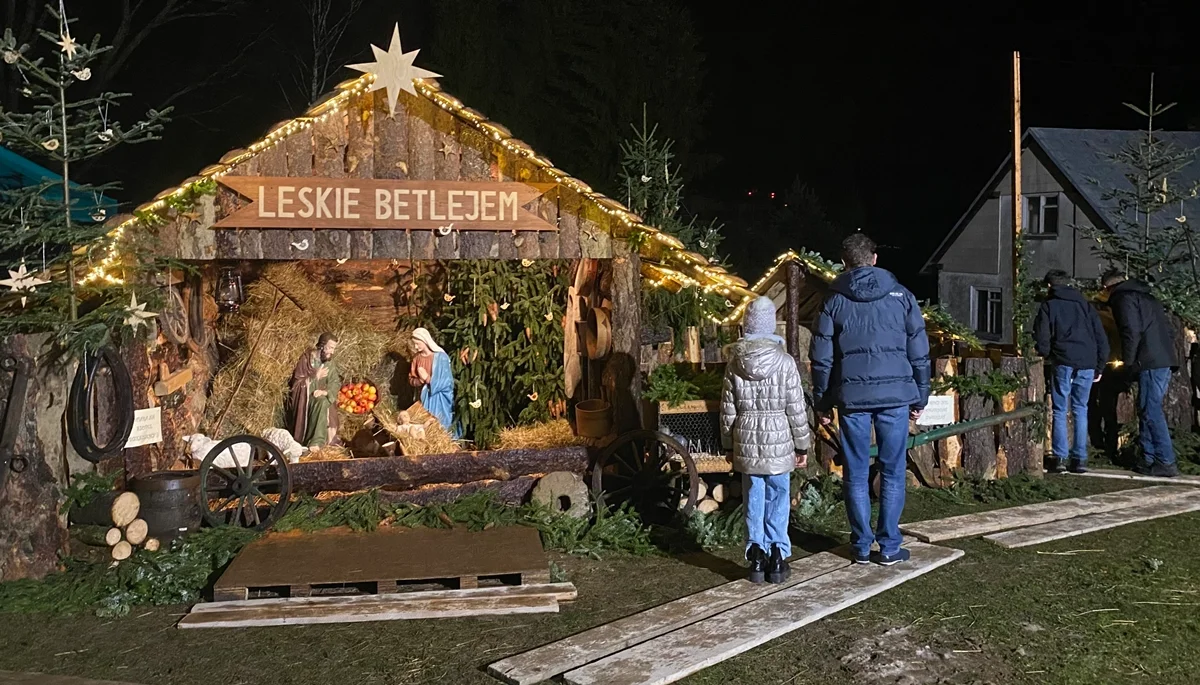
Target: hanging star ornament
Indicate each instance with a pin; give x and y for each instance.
(68, 45)
(22, 281)
(394, 70)
(138, 315)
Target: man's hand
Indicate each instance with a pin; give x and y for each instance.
(320, 393)
(915, 414)
(801, 458)
(322, 372)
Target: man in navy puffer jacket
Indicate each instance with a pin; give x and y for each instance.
(870, 360)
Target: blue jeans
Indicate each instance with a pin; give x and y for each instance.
(891, 434)
(1155, 438)
(768, 511)
(1069, 391)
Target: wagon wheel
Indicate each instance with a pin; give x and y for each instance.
(253, 493)
(651, 472)
(175, 318)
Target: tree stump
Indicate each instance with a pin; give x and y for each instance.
(979, 446)
(1014, 435)
(1035, 393)
(949, 450)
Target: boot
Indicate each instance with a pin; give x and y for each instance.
(758, 563)
(777, 568)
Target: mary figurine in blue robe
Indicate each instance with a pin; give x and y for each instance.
(430, 371)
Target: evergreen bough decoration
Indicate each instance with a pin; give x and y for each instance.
(501, 324)
(654, 190)
(50, 226)
(1151, 236)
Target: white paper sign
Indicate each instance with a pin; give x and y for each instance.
(147, 427)
(939, 411)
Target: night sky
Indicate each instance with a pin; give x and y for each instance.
(895, 117)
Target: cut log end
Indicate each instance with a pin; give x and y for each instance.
(152, 545)
(708, 506)
(136, 532)
(113, 536)
(125, 509)
(122, 550)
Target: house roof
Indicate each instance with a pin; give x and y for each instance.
(665, 259)
(1080, 158)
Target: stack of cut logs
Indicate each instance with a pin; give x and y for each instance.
(710, 498)
(128, 530)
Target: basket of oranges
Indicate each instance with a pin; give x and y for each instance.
(357, 398)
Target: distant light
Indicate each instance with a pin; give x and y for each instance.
(772, 196)
(749, 192)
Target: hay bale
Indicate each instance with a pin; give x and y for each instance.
(556, 433)
(437, 439)
(304, 312)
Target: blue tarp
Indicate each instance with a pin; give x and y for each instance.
(18, 172)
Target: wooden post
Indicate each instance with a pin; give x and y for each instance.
(1017, 215)
(795, 278)
(622, 380)
(1014, 435)
(979, 446)
(949, 450)
(1035, 392)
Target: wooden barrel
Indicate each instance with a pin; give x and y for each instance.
(170, 502)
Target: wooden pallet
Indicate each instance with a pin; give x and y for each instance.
(384, 561)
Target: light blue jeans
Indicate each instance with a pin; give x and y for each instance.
(768, 511)
(891, 434)
(1155, 437)
(1069, 391)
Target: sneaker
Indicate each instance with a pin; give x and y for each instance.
(1054, 465)
(777, 568)
(860, 558)
(1164, 470)
(1077, 466)
(885, 560)
(758, 564)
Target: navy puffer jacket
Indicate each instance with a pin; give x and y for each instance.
(869, 348)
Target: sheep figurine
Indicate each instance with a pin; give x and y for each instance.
(286, 444)
(200, 445)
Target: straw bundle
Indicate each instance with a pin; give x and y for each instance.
(555, 433)
(437, 440)
(285, 312)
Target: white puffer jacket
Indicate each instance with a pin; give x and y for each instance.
(762, 408)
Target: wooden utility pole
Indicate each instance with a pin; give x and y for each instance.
(1017, 214)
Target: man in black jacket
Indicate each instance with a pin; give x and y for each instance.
(1068, 332)
(1147, 350)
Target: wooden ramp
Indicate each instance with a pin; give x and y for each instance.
(1130, 475)
(971, 525)
(1057, 530)
(302, 564)
(518, 599)
(559, 657)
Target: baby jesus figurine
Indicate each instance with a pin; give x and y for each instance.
(408, 429)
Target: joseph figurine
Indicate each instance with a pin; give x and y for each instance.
(315, 383)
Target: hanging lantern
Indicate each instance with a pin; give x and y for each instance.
(229, 291)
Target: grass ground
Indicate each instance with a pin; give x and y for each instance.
(1123, 611)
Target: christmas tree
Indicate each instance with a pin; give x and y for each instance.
(654, 190)
(1150, 236)
(49, 228)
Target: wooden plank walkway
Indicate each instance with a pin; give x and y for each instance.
(583, 648)
(13, 678)
(678, 654)
(380, 560)
(1057, 530)
(1130, 475)
(971, 525)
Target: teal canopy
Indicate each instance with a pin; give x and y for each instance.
(18, 172)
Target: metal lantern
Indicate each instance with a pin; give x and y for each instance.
(229, 291)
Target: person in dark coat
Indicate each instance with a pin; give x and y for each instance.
(1068, 332)
(870, 361)
(1147, 353)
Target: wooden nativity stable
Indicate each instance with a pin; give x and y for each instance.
(365, 200)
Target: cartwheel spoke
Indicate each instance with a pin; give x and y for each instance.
(224, 473)
(274, 481)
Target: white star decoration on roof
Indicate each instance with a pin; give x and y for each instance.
(394, 70)
(21, 281)
(138, 316)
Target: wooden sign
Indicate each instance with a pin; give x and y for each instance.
(351, 203)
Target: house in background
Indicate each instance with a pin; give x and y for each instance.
(1064, 176)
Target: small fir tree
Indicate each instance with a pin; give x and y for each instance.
(654, 190)
(49, 229)
(1151, 236)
